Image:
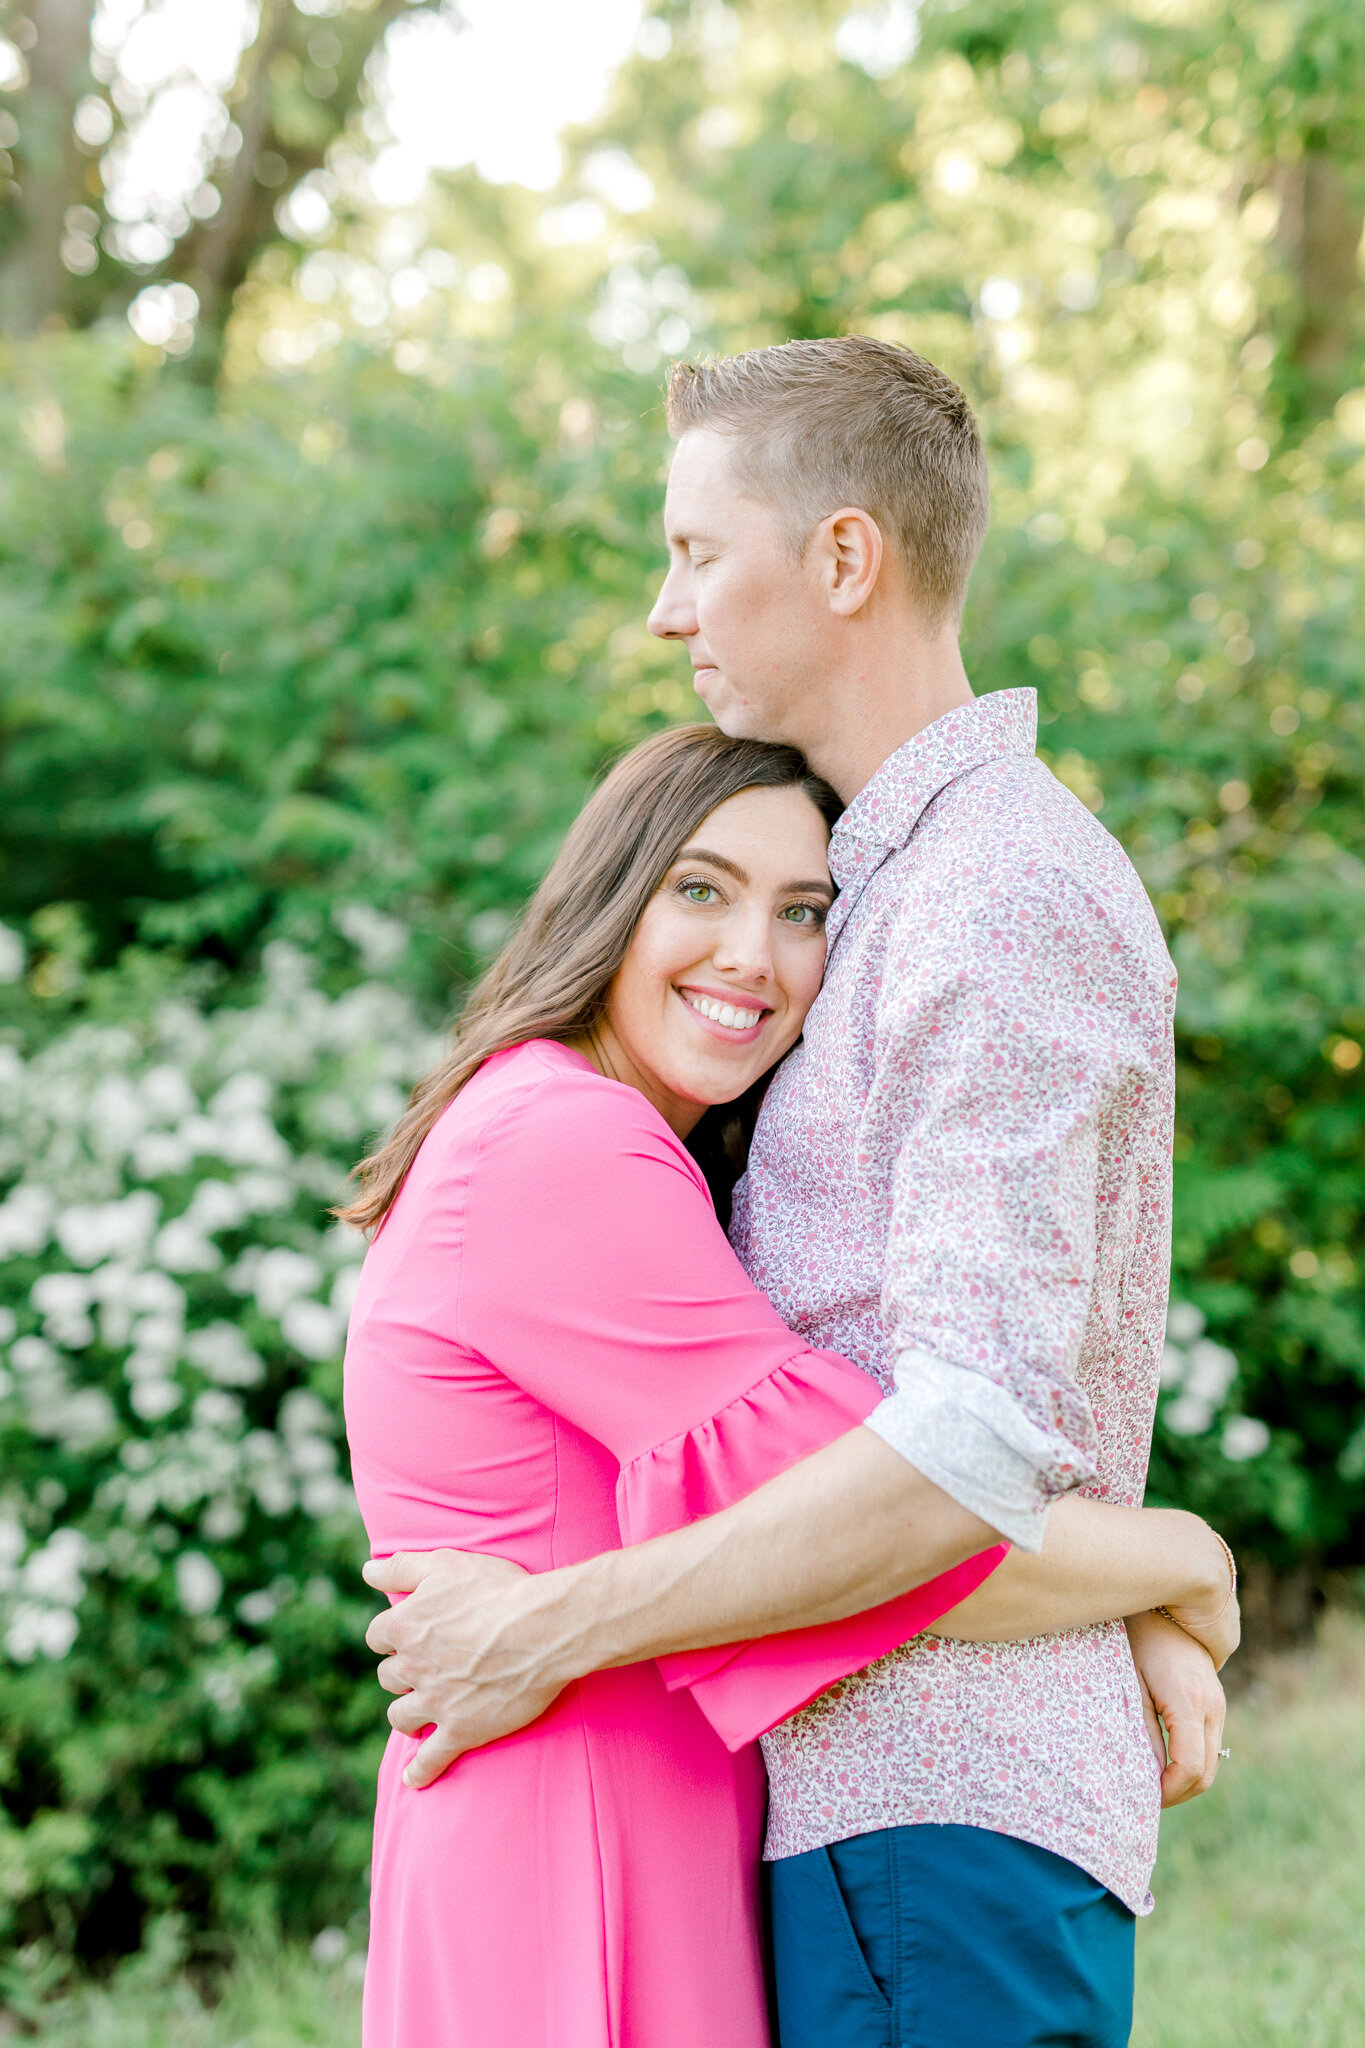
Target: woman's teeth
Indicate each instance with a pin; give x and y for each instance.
(724, 1013)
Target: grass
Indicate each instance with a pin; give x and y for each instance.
(271, 2000)
(1258, 1940)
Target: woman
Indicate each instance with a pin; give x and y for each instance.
(553, 1350)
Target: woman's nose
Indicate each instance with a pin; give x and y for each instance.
(744, 944)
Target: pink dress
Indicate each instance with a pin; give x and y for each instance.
(554, 1350)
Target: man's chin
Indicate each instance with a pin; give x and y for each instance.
(737, 718)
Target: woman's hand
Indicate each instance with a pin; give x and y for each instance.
(1182, 1697)
(1212, 1616)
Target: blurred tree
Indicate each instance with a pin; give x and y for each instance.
(56, 37)
(62, 255)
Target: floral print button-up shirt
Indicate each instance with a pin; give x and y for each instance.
(961, 1179)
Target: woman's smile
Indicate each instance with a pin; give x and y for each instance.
(738, 1017)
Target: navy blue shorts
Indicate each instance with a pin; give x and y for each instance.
(947, 1937)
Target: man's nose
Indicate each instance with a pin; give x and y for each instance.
(674, 616)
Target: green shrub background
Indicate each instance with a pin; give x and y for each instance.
(303, 672)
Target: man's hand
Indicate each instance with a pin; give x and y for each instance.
(447, 1655)
(1180, 1685)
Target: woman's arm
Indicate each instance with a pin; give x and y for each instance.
(1100, 1563)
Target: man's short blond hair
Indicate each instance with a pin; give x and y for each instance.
(853, 421)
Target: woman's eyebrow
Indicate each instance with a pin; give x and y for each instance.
(718, 860)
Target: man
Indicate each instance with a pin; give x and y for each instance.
(961, 1180)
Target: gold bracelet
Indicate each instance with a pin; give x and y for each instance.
(1232, 1574)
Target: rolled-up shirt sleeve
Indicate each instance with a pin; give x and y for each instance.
(1002, 1060)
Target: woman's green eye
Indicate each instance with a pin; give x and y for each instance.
(698, 892)
(801, 913)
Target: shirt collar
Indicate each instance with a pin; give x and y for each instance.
(883, 815)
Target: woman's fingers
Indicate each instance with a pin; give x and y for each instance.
(1151, 1717)
(1194, 1731)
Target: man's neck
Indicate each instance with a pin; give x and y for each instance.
(871, 712)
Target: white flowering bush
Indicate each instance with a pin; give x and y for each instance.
(1199, 1375)
(191, 1719)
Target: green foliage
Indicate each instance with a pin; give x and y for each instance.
(257, 659)
(329, 658)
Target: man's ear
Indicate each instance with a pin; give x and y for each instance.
(852, 551)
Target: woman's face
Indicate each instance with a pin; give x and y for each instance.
(727, 958)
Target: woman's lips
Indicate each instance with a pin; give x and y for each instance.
(729, 1034)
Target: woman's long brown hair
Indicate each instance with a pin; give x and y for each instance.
(551, 978)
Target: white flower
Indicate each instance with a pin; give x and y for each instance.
(1188, 1415)
(274, 1490)
(217, 1205)
(288, 972)
(82, 1420)
(244, 1095)
(152, 1398)
(329, 1947)
(326, 1494)
(88, 1233)
(215, 1410)
(1184, 1322)
(222, 1353)
(257, 1608)
(380, 941)
(13, 1543)
(276, 1278)
(159, 1153)
(198, 1582)
(117, 1114)
(40, 1631)
(32, 1354)
(182, 1248)
(223, 1519)
(155, 1292)
(159, 1337)
(63, 1301)
(313, 1330)
(1209, 1371)
(167, 1094)
(54, 1572)
(310, 1455)
(1244, 1436)
(302, 1414)
(26, 1217)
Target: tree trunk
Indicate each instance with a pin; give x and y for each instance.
(1322, 223)
(217, 259)
(33, 282)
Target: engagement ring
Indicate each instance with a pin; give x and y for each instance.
(1225, 1752)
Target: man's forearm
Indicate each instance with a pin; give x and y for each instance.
(844, 1530)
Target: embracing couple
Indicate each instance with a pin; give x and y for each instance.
(818, 1543)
